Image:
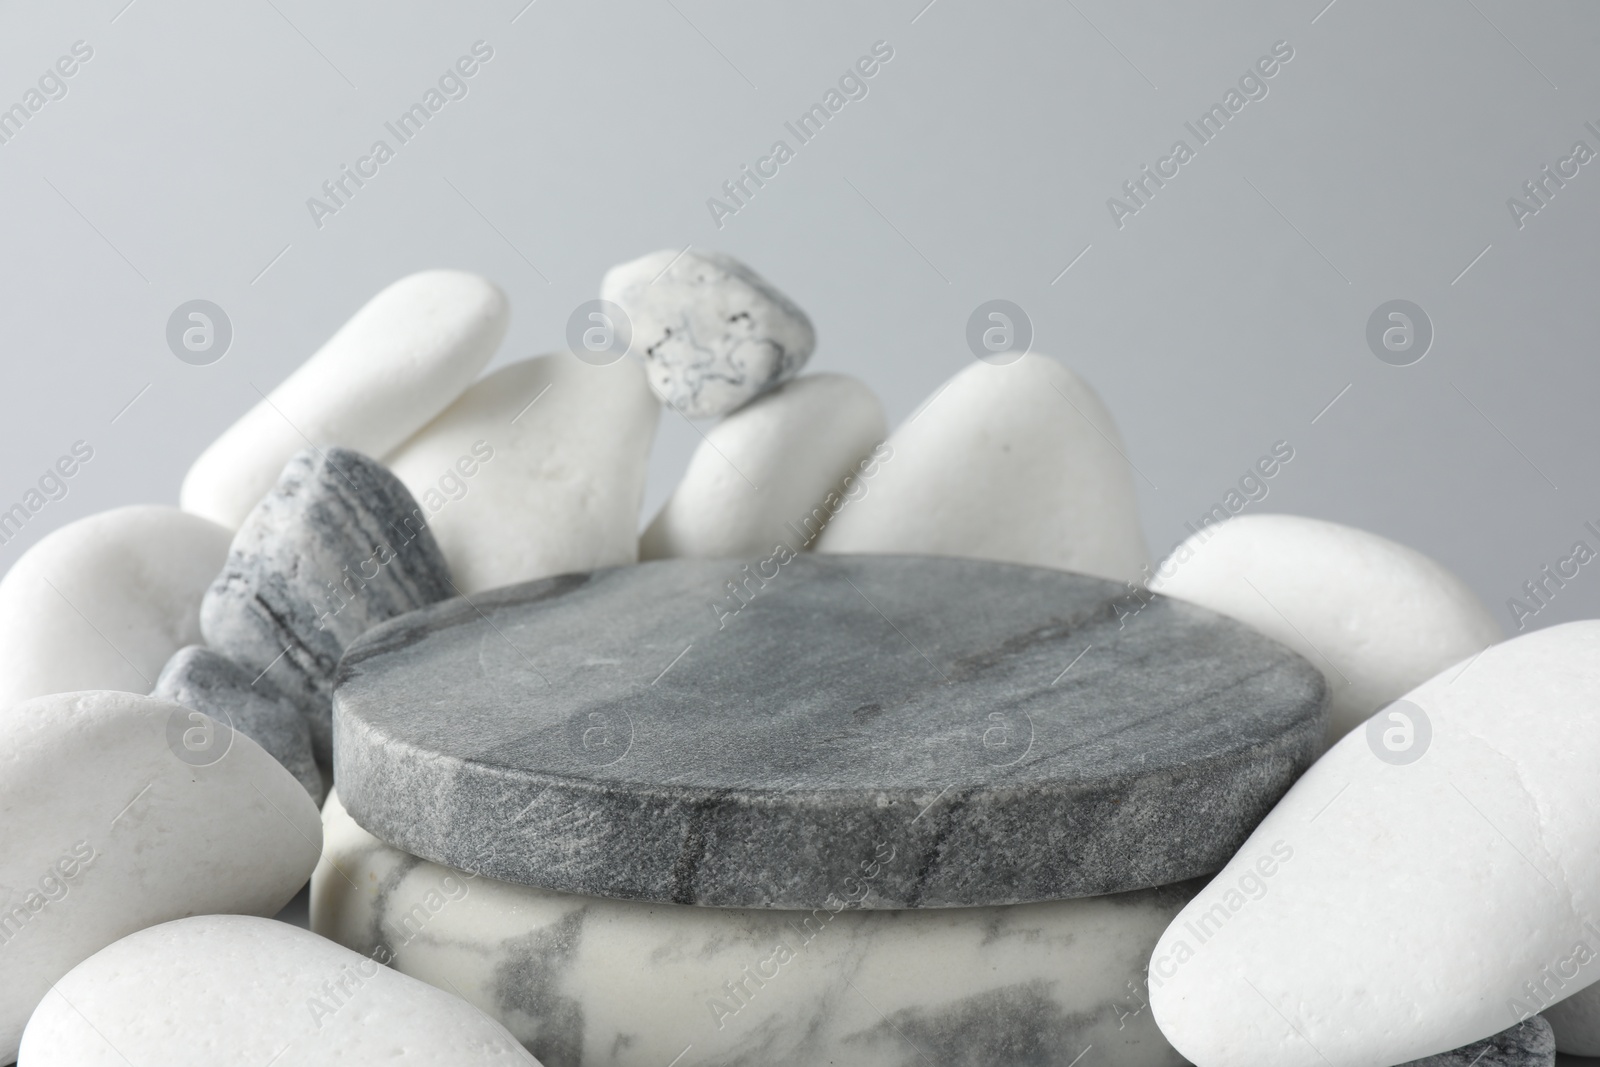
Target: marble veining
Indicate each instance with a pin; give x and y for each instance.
(1022, 734)
(589, 982)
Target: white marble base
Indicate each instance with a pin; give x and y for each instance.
(607, 983)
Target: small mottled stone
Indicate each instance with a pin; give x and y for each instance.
(582, 980)
(337, 547)
(1527, 1044)
(643, 732)
(713, 332)
(207, 681)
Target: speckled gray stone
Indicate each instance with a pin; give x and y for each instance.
(1528, 1044)
(207, 681)
(713, 333)
(1029, 734)
(338, 546)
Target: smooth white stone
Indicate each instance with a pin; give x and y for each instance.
(1377, 617)
(1411, 908)
(1576, 1022)
(628, 984)
(237, 990)
(566, 443)
(765, 473)
(104, 602)
(104, 830)
(397, 363)
(712, 332)
(1019, 463)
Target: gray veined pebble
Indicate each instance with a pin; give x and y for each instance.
(205, 680)
(337, 547)
(713, 333)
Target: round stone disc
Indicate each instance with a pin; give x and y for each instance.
(699, 732)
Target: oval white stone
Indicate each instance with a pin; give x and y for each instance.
(1376, 617)
(1576, 1022)
(568, 444)
(104, 602)
(1385, 911)
(764, 473)
(104, 830)
(1019, 463)
(232, 989)
(397, 363)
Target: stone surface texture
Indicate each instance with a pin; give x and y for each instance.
(712, 332)
(1017, 462)
(1527, 1044)
(608, 983)
(101, 603)
(397, 363)
(774, 471)
(627, 734)
(233, 989)
(120, 811)
(1377, 617)
(1576, 1022)
(538, 469)
(337, 547)
(1387, 910)
(205, 680)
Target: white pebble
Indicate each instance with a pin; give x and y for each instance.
(538, 469)
(104, 602)
(397, 363)
(1019, 463)
(1429, 881)
(230, 989)
(765, 473)
(1576, 1022)
(1377, 617)
(122, 811)
(712, 332)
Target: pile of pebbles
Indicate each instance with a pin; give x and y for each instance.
(873, 748)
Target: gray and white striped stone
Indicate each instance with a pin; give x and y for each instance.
(338, 546)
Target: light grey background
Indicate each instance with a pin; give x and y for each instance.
(1224, 316)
